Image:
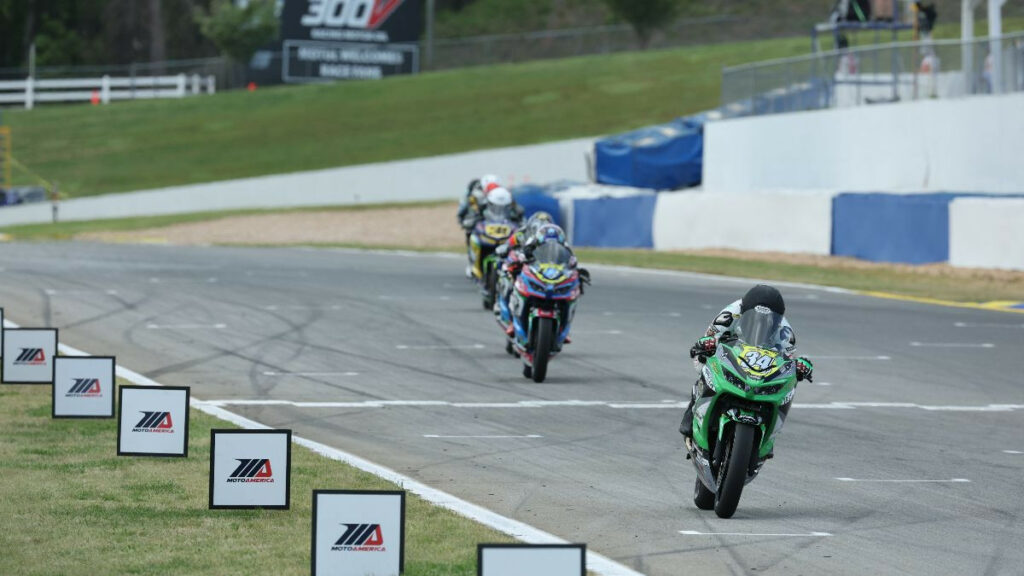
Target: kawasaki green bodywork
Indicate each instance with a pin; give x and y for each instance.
(744, 384)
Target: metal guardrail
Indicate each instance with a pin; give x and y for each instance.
(102, 90)
(897, 72)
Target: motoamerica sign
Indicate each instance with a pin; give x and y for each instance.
(325, 40)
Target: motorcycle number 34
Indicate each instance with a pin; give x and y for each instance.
(758, 360)
(351, 13)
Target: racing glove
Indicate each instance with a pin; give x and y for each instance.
(502, 250)
(804, 369)
(703, 348)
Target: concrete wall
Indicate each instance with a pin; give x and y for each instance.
(987, 233)
(795, 222)
(959, 145)
(435, 178)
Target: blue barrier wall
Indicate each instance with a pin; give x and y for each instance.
(537, 198)
(911, 229)
(614, 222)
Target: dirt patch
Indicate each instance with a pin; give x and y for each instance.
(432, 227)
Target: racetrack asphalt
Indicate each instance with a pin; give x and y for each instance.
(906, 456)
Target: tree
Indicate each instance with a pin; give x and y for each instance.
(645, 16)
(238, 31)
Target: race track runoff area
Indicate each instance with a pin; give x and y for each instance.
(904, 456)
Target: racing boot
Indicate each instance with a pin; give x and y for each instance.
(686, 426)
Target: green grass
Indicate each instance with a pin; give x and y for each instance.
(140, 145)
(149, 144)
(70, 505)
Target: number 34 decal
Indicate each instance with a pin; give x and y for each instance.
(758, 359)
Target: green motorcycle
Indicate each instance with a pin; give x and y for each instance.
(741, 400)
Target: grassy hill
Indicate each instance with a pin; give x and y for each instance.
(147, 144)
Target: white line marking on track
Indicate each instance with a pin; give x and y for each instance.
(613, 332)
(1012, 452)
(621, 405)
(311, 373)
(519, 530)
(186, 326)
(497, 437)
(816, 357)
(987, 325)
(792, 535)
(906, 480)
(952, 344)
(454, 347)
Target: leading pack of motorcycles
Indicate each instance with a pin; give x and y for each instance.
(743, 392)
(534, 305)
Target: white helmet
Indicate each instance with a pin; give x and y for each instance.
(488, 182)
(499, 197)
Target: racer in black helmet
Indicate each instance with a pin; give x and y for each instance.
(723, 325)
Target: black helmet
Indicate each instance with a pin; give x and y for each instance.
(763, 295)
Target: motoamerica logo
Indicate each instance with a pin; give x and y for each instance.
(31, 357)
(154, 422)
(84, 388)
(360, 538)
(367, 14)
(252, 470)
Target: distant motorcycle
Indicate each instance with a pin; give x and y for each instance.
(542, 307)
(742, 398)
(487, 235)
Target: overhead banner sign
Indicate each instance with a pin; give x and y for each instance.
(326, 40)
(152, 421)
(250, 468)
(356, 533)
(28, 355)
(532, 559)
(83, 387)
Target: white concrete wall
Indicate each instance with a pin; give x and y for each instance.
(960, 145)
(435, 178)
(780, 222)
(987, 233)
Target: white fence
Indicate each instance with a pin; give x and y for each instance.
(102, 90)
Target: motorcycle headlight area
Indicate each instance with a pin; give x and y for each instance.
(735, 380)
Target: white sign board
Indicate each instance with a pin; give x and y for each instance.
(532, 559)
(28, 355)
(358, 533)
(250, 468)
(83, 387)
(152, 421)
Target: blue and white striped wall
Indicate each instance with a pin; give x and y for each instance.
(964, 229)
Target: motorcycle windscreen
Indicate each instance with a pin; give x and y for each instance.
(760, 327)
(551, 261)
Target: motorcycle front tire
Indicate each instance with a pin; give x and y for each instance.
(545, 341)
(736, 463)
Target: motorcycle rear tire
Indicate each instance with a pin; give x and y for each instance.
(545, 341)
(736, 463)
(702, 497)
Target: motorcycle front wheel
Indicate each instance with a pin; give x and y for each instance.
(733, 471)
(545, 340)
